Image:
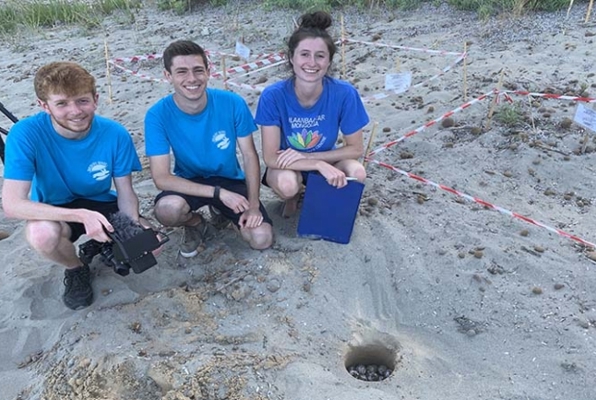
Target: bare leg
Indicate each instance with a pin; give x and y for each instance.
(174, 211)
(287, 185)
(352, 168)
(51, 240)
(259, 238)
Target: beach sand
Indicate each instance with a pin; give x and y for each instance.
(443, 278)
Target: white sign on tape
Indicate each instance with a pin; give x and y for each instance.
(585, 117)
(399, 82)
(242, 50)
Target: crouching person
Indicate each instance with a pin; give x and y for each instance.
(59, 170)
(202, 128)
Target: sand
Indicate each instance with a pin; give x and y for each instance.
(465, 299)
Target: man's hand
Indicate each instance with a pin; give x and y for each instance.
(286, 157)
(234, 201)
(251, 218)
(334, 176)
(95, 223)
(147, 225)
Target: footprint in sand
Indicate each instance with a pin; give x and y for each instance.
(45, 297)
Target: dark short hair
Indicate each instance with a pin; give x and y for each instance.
(183, 48)
(312, 25)
(63, 77)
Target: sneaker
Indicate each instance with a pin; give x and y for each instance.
(78, 292)
(217, 219)
(192, 237)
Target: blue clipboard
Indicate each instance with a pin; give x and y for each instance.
(327, 212)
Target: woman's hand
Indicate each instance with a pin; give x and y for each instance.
(334, 176)
(286, 157)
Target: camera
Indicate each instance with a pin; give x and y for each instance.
(131, 246)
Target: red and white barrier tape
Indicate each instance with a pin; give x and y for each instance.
(448, 114)
(550, 96)
(430, 123)
(233, 82)
(466, 196)
(262, 60)
(486, 204)
(392, 46)
(136, 73)
(387, 93)
(271, 59)
(159, 56)
(275, 59)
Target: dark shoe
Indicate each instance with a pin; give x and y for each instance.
(217, 219)
(192, 237)
(77, 291)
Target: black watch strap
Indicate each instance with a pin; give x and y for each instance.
(216, 192)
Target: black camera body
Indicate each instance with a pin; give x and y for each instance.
(131, 247)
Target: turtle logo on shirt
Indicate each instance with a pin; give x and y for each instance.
(221, 140)
(307, 139)
(99, 170)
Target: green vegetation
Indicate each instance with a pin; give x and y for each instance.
(47, 13)
(482, 7)
(182, 6)
(511, 5)
(486, 8)
(38, 13)
(509, 115)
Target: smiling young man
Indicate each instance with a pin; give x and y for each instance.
(202, 127)
(59, 170)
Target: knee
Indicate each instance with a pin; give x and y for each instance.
(288, 185)
(359, 173)
(43, 236)
(169, 210)
(261, 239)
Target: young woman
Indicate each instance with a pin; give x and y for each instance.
(301, 117)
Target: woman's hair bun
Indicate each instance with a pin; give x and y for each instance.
(317, 19)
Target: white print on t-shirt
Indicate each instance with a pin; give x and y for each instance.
(299, 123)
(221, 140)
(99, 170)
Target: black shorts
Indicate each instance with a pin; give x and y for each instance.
(233, 185)
(105, 208)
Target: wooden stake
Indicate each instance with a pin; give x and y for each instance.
(531, 114)
(108, 75)
(569, 9)
(225, 73)
(589, 11)
(371, 139)
(465, 72)
(494, 103)
(585, 141)
(343, 48)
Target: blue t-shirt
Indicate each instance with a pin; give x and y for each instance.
(62, 170)
(315, 128)
(203, 144)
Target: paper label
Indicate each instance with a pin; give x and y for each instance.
(585, 117)
(398, 83)
(242, 50)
